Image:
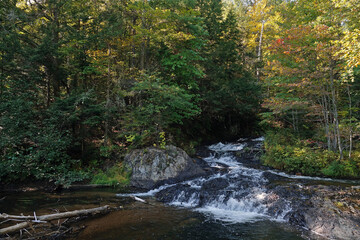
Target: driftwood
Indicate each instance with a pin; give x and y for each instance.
(141, 200)
(41, 219)
(138, 199)
(14, 228)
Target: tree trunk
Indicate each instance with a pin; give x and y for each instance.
(56, 76)
(326, 120)
(350, 122)
(260, 50)
(143, 41)
(107, 106)
(335, 112)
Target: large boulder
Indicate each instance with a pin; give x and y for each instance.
(153, 166)
(329, 211)
(335, 212)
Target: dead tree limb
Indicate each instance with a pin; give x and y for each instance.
(138, 199)
(14, 228)
(48, 217)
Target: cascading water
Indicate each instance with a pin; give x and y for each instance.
(238, 191)
(234, 193)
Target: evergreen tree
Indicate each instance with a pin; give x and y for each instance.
(230, 94)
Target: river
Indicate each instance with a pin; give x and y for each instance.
(143, 221)
(233, 202)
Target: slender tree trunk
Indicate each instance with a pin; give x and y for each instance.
(143, 42)
(260, 50)
(350, 122)
(335, 113)
(330, 110)
(106, 135)
(326, 120)
(48, 91)
(133, 44)
(55, 62)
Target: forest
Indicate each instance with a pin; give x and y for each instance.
(83, 82)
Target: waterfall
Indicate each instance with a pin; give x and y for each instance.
(234, 192)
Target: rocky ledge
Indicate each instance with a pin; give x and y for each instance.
(332, 212)
(152, 166)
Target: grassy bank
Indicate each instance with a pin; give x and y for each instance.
(117, 175)
(288, 153)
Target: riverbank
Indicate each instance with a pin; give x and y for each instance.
(286, 152)
(242, 191)
(237, 191)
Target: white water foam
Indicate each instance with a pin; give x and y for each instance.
(225, 159)
(254, 174)
(234, 210)
(181, 201)
(282, 174)
(236, 203)
(150, 193)
(259, 139)
(220, 147)
(232, 216)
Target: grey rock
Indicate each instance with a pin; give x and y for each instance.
(329, 220)
(153, 166)
(215, 184)
(328, 211)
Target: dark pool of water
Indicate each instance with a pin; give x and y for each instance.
(164, 222)
(140, 221)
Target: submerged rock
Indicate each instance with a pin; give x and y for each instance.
(153, 166)
(215, 184)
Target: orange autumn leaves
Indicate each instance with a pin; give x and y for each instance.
(297, 70)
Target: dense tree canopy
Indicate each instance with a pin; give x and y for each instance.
(84, 81)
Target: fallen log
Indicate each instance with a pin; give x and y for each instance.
(138, 199)
(48, 217)
(72, 213)
(14, 228)
(17, 217)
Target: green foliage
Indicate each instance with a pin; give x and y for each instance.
(162, 105)
(285, 152)
(230, 96)
(117, 175)
(162, 140)
(345, 168)
(80, 117)
(82, 82)
(35, 144)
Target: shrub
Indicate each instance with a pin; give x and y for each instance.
(286, 153)
(114, 176)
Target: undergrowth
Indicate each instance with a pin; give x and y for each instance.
(117, 175)
(285, 152)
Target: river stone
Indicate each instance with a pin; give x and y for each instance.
(215, 184)
(335, 213)
(328, 211)
(153, 166)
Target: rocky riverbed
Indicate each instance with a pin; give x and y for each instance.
(238, 189)
(234, 197)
